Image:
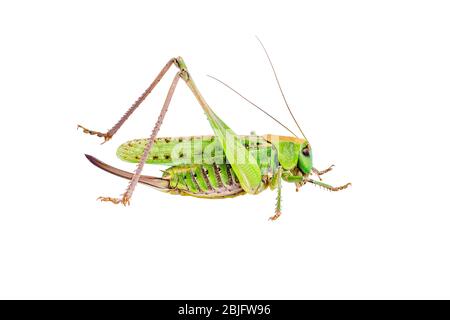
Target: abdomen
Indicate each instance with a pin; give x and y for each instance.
(213, 181)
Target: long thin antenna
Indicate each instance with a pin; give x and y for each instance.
(279, 86)
(252, 103)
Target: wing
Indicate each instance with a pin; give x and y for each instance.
(190, 150)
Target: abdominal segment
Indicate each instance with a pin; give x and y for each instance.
(212, 181)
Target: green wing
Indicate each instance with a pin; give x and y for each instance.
(188, 150)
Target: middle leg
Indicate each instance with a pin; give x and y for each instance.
(278, 204)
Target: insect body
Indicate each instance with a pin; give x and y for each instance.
(219, 166)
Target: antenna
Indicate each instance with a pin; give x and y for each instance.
(253, 104)
(279, 86)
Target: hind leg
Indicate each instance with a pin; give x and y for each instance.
(125, 199)
(108, 135)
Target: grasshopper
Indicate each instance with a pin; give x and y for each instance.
(220, 166)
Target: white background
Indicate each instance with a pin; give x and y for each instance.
(368, 80)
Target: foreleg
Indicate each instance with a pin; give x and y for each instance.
(327, 186)
(319, 173)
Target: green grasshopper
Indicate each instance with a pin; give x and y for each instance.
(212, 167)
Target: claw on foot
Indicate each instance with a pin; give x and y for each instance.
(275, 216)
(105, 136)
(124, 200)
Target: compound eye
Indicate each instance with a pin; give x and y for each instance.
(305, 152)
